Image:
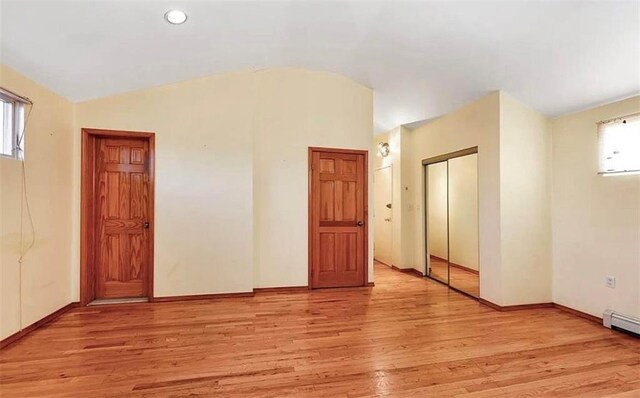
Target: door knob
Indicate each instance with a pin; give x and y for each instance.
(146, 225)
(360, 223)
(387, 219)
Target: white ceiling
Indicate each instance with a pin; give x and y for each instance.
(423, 59)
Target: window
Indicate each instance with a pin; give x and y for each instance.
(12, 122)
(619, 142)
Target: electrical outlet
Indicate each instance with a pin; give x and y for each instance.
(610, 281)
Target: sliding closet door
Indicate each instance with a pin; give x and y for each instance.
(437, 229)
(463, 224)
(451, 224)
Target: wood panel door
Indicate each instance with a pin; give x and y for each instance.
(337, 217)
(122, 217)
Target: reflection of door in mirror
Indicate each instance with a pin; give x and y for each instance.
(437, 239)
(382, 215)
(463, 224)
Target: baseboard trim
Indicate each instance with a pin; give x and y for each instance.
(257, 290)
(375, 260)
(370, 284)
(37, 324)
(168, 299)
(561, 307)
(577, 313)
(514, 307)
(7, 341)
(410, 271)
(284, 289)
(414, 272)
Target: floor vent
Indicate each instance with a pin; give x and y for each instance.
(625, 323)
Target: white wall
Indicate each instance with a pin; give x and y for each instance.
(407, 209)
(232, 171)
(204, 171)
(513, 193)
(46, 270)
(232, 178)
(392, 160)
(596, 219)
(396, 139)
(463, 211)
(297, 109)
(402, 255)
(476, 124)
(525, 203)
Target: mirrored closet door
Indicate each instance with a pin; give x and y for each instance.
(437, 228)
(451, 199)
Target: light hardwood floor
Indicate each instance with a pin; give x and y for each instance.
(461, 279)
(406, 337)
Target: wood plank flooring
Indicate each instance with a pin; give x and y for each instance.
(461, 279)
(406, 337)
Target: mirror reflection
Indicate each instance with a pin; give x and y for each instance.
(463, 224)
(452, 221)
(437, 233)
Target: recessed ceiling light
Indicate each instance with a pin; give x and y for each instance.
(175, 17)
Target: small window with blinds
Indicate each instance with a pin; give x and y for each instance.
(12, 108)
(619, 145)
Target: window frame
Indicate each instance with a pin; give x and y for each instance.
(601, 126)
(18, 121)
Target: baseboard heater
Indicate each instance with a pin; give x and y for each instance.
(625, 323)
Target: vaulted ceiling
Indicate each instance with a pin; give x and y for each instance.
(422, 58)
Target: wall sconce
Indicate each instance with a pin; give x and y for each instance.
(383, 148)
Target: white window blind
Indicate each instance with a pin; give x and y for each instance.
(619, 145)
(12, 109)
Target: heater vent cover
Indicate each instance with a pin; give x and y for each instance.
(614, 320)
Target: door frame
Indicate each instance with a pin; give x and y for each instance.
(87, 208)
(425, 163)
(365, 281)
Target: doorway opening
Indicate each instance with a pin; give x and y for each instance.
(382, 215)
(451, 220)
(117, 216)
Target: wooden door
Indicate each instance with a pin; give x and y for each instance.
(122, 217)
(338, 216)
